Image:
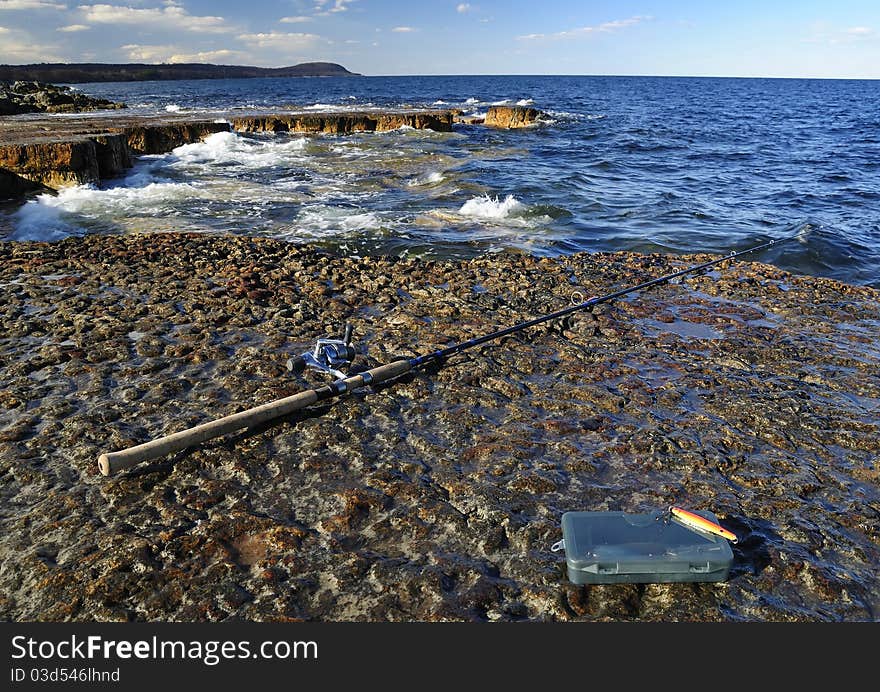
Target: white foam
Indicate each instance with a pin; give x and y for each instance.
(52, 217)
(230, 149)
(321, 221)
(39, 220)
(486, 207)
(173, 108)
(439, 102)
(525, 102)
(472, 101)
(360, 222)
(567, 116)
(503, 102)
(431, 178)
(353, 107)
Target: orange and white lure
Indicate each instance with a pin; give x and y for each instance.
(695, 521)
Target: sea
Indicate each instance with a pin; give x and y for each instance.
(647, 164)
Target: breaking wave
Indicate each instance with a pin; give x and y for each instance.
(486, 207)
(228, 148)
(324, 221)
(85, 208)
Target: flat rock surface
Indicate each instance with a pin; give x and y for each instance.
(748, 392)
(42, 128)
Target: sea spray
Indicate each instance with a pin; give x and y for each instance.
(86, 208)
(486, 207)
(229, 148)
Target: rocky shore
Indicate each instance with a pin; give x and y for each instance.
(48, 154)
(38, 97)
(749, 392)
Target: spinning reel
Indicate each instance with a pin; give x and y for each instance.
(329, 355)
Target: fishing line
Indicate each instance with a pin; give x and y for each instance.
(332, 356)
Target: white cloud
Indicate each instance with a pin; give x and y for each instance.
(148, 53)
(28, 51)
(171, 16)
(4, 30)
(30, 5)
(294, 20)
(276, 39)
(860, 31)
(403, 29)
(72, 28)
(178, 54)
(463, 8)
(336, 6)
(211, 56)
(584, 31)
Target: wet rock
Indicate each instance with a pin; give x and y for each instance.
(162, 138)
(345, 123)
(511, 117)
(38, 97)
(438, 496)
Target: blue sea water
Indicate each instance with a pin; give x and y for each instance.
(676, 165)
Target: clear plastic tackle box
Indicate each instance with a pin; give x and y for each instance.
(617, 547)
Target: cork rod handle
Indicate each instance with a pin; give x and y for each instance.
(111, 462)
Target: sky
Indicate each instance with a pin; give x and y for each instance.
(747, 38)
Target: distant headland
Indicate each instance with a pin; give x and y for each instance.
(76, 73)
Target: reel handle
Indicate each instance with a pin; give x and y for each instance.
(329, 355)
(296, 365)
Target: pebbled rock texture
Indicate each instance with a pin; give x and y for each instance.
(749, 392)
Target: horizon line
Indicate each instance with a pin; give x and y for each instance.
(618, 76)
(443, 74)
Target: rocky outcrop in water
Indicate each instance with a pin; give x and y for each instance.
(346, 123)
(749, 392)
(511, 117)
(58, 164)
(160, 139)
(502, 117)
(37, 97)
(55, 155)
(43, 155)
(81, 159)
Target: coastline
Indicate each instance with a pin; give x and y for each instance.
(42, 152)
(751, 392)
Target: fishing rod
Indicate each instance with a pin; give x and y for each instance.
(331, 355)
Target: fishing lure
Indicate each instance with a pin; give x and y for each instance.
(695, 521)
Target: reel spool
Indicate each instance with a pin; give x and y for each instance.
(329, 356)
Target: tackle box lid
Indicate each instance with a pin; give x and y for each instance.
(611, 547)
